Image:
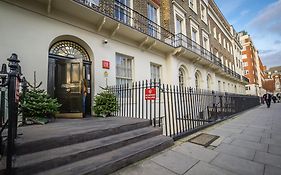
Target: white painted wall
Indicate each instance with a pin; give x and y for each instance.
(29, 35)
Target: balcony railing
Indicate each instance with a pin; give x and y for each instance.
(127, 16)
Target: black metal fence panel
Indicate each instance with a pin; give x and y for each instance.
(177, 109)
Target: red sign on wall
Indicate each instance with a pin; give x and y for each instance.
(150, 94)
(105, 64)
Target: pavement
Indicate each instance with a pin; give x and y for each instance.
(249, 144)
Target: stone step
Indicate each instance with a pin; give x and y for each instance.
(111, 161)
(73, 137)
(48, 159)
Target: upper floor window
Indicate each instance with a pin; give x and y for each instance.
(179, 25)
(92, 2)
(155, 71)
(219, 36)
(124, 69)
(203, 13)
(205, 40)
(153, 17)
(122, 11)
(193, 5)
(215, 32)
(194, 34)
(224, 42)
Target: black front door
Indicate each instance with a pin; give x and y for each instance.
(68, 85)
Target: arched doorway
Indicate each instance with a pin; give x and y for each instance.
(69, 78)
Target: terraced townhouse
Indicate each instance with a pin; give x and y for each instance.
(112, 42)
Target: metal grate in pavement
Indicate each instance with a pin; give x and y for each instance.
(203, 139)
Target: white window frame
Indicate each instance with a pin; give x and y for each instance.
(224, 45)
(157, 21)
(219, 37)
(203, 12)
(129, 77)
(193, 5)
(92, 2)
(179, 14)
(182, 77)
(194, 27)
(126, 18)
(205, 36)
(153, 67)
(215, 32)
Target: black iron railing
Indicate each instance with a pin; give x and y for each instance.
(10, 89)
(125, 15)
(177, 110)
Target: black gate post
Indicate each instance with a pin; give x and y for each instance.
(13, 105)
(3, 94)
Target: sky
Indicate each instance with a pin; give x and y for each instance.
(262, 20)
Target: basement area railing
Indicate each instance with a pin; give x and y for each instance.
(177, 110)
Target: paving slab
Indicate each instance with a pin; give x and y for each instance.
(273, 149)
(252, 133)
(145, 168)
(227, 140)
(238, 165)
(237, 151)
(196, 151)
(251, 145)
(250, 138)
(175, 161)
(268, 159)
(272, 141)
(271, 170)
(203, 168)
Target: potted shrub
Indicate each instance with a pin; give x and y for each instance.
(38, 106)
(105, 103)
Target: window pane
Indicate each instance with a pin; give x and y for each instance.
(75, 72)
(123, 69)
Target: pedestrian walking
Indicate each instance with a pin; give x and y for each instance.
(267, 98)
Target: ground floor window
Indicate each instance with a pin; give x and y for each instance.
(124, 69)
(155, 71)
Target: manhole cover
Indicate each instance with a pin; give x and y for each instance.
(203, 139)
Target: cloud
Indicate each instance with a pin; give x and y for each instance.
(229, 8)
(273, 59)
(277, 42)
(269, 18)
(244, 12)
(266, 51)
